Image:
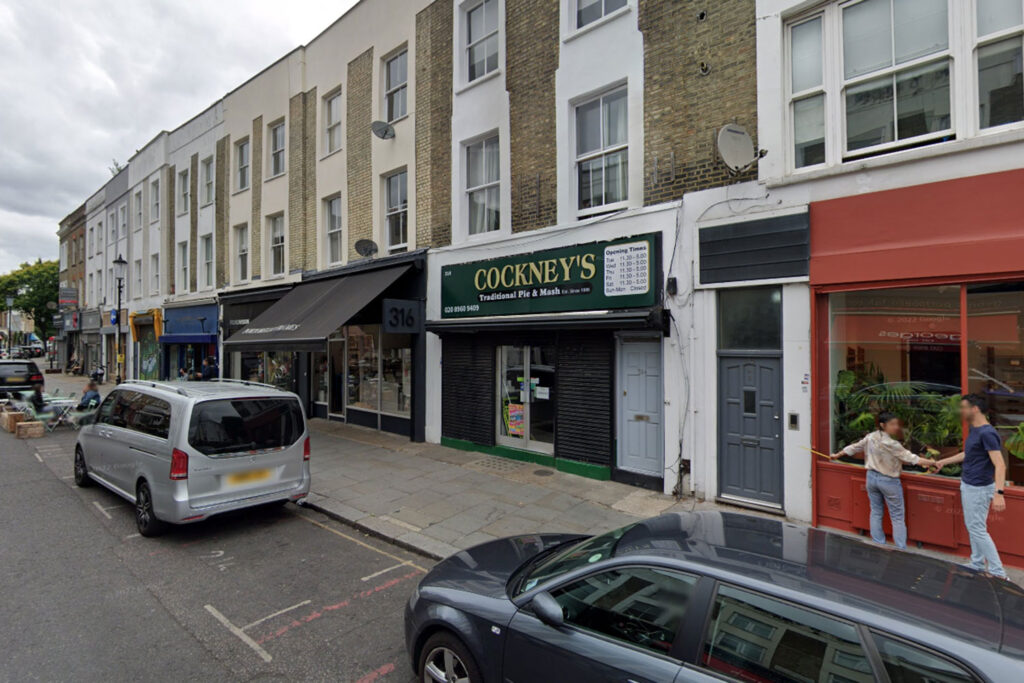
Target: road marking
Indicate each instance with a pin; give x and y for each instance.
(114, 506)
(101, 509)
(38, 457)
(276, 614)
(68, 476)
(132, 536)
(383, 571)
(264, 655)
(365, 545)
(377, 674)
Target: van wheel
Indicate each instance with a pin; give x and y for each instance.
(145, 518)
(446, 658)
(82, 477)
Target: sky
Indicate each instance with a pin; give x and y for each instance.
(84, 82)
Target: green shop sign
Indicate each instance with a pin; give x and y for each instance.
(586, 277)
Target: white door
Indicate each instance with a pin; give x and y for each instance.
(641, 441)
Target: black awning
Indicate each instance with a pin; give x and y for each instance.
(304, 317)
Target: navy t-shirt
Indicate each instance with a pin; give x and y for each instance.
(978, 467)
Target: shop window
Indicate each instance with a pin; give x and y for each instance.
(321, 377)
(750, 318)
(363, 375)
(396, 374)
(897, 350)
(526, 397)
(280, 369)
(247, 365)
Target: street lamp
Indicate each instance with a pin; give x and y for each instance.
(10, 304)
(120, 265)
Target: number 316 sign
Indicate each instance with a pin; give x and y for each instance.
(402, 316)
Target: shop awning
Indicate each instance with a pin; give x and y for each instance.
(303, 318)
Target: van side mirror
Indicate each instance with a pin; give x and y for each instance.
(548, 610)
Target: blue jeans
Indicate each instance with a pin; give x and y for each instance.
(886, 491)
(976, 501)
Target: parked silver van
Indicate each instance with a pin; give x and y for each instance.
(183, 451)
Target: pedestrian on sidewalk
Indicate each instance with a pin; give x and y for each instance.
(884, 456)
(981, 482)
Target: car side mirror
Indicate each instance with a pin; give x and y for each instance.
(548, 610)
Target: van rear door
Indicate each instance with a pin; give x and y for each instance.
(243, 448)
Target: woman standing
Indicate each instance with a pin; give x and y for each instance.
(884, 457)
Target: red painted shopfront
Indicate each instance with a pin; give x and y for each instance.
(918, 296)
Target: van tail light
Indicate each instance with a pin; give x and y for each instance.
(179, 464)
(305, 449)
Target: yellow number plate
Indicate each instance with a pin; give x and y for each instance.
(247, 477)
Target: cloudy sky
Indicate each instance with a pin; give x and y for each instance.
(83, 82)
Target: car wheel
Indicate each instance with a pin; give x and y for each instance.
(82, 477)
(145, 518)
(446, 660)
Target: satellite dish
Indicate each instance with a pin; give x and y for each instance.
(735, 147)
(366, 247)
(383, 130)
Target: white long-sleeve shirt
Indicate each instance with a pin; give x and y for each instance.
(882, 453)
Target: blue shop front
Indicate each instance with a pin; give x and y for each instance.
(189, 335)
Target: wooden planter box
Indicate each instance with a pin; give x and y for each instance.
(9, 420)
(29, 430)
(934, 516)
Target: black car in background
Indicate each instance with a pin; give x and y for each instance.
(17, 376)
(710, 596)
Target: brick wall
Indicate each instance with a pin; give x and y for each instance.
(193, 222)
(359, 106)
(221, 178)
(256, 183)
(302, 136)
(309, 244)
(433, 124)
(684, 109)
(167, 280)
(531, 58)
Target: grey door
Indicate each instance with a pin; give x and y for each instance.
(749, 450)
(640, 439)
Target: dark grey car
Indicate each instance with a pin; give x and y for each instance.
(710, 596)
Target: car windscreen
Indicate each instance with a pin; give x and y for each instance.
(18, 369)
(245, 424)
(577, 555)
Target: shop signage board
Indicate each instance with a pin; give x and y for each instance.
(68, 297)
(402, 316)
(616, 274)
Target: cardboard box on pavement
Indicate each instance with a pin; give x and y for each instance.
(9, 420)
(29, 430)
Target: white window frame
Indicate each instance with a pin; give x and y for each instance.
(112, 224)
(594, 154)
(154, 200)
(154, 276)
(978, 43)
(396, 210)
(101, 237)
(183, 286)
(183, 191)
(334, 230)
(470, 190)
(122, 217)
(331, 125)
(391, 89)
(276, 155)
(243, 177)
(207, 171)
(606, 15)
(468, 46)
(138, 209)
(138, 278)
(206, 245)
(242, 252)
(276, 243)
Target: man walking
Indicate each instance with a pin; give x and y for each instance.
(981, 482)
(884, 457)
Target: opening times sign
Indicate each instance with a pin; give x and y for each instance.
(597, 276)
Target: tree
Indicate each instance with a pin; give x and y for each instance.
(115, 167)
(33, 285)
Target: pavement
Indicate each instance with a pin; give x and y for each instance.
(436, 500)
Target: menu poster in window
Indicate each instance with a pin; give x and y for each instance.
(515, 419)
(615, 274)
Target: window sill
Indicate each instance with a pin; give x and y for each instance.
(203, 206)
(977, 142)
(182, 213)
(271, 278)
(240, 191)
(606, 19)
(331, 154)
(469, 85)
(275, 177)
(601, 210)
(401, 118)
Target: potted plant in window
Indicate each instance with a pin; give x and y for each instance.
(937, 426)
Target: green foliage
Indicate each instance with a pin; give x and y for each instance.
(33, 285)
(1015, 442)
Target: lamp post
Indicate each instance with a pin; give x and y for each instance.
(120, 265)
(10, 304)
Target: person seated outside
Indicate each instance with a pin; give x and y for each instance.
(90, 397)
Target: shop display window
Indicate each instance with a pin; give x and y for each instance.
(280, 369)
(396, 374)
(363, 367)
(321, 376)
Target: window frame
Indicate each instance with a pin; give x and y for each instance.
(154, 276)
(390, 210)
(138, 209)
(243, 168)
(276, 155)
(469, 44)
(206, 169)
(331, 125)
(137, 265)
(977, 43)
(602, 152)
(869, 634)
(154, 201)
(122, 221)
(574, 23)
(206, 243)
(184, 267)
(331, 231)
(468, 190)
(273, 244)
(390, 90)
(184, 191)
(241, 255)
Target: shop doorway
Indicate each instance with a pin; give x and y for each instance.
(338, 369)
(641, 442)
(526, 397)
